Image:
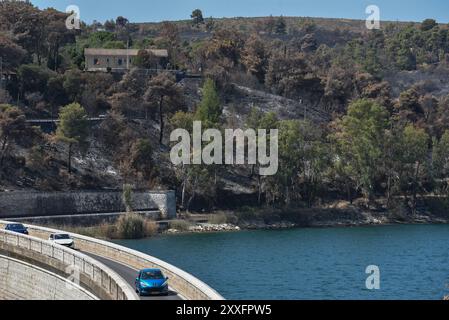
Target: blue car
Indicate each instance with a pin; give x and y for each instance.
(151, 281)
(16, 227)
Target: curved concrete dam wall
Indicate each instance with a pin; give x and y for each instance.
(92, 275)
(188, 286)
(23, 281)
(33, 204)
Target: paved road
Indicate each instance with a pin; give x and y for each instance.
(129, 275)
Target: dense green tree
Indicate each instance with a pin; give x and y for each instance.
(280, 26)
(74, 83)
(304, 159)
(362, 142)
(210, 109)
(12, 125)
(315, 161)
(428, 24)
(413, 154)
(408, 106)
(109, 25)
(265, 121)
(197, 17)
(73, 128)
(57, 36)
(55, 92)
(12, 54)
(33, 78)
(27, 23)
(440, 162)
(121, 22)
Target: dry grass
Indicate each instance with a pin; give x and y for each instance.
(219, 218)
(180, 225)
(128, 226)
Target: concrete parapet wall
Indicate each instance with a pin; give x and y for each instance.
(184, 283)
(93, 275)
(23, 281)
(32, 204)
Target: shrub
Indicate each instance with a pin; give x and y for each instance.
(180, 225)
(219, 218)
(131, 226)
(222, 218)
(151, 228)
(127, 195)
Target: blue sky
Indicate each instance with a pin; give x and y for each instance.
(159, 10)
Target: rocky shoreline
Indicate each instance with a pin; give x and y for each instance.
(206, 228)
(364, 220)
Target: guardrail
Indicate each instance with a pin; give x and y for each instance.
(103, 281)
(185, 284)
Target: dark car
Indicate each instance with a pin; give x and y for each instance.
(16, 227)
(151, 281)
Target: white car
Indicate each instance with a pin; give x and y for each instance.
(62, 239)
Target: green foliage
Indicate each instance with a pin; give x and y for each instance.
(11, 53)
(182, 120)
(114, 45)
(373, 152)
(362, 139)
(12, 126)
(33, 78)
(180, 225)
(412, 155)
(134, 226)
(210, 110)
(304, 159)
(440, 156)
(98, 39)
(197, 17)
(280, 26)
(73, 128)
(428, 24)
(73, 125)
(73, 84)
(127, 197)
(146, 60)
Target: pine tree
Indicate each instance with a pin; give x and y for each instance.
(209, 111)
(72, 128)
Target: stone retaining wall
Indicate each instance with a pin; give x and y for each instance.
(33, 204)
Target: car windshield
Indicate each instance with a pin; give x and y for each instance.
(16, 226)
(152, 275)
(62, 237)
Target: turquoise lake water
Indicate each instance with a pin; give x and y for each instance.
(313, 263)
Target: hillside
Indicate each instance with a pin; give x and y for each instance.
(360, 113)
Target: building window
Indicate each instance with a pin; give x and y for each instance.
(120, 62)
(96, 61)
